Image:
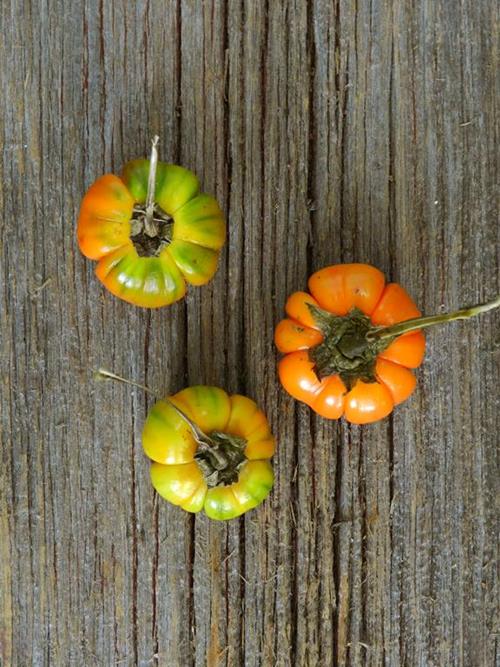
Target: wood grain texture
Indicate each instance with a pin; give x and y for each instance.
(330, 131)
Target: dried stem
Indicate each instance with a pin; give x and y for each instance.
(150, 197)
(198, 434)
(103, 374)
(219, 456)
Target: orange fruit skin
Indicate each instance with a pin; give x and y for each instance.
(338, 289)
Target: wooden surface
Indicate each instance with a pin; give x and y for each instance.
(330, 131)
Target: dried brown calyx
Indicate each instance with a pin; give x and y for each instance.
(150, 234)
(220, 457)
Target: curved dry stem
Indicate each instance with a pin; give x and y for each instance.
(219, 456)
(198, 434)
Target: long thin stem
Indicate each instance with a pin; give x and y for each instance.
(103, 374)
(153, 164)
(198, 434)
(423, 322)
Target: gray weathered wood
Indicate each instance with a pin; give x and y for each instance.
(329, 131)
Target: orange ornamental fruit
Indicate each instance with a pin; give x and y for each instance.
(351, 344)
(151, 231)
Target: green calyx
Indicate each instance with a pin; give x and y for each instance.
(347, 349)
(221, 458)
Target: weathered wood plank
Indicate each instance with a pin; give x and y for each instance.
(329, 131)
